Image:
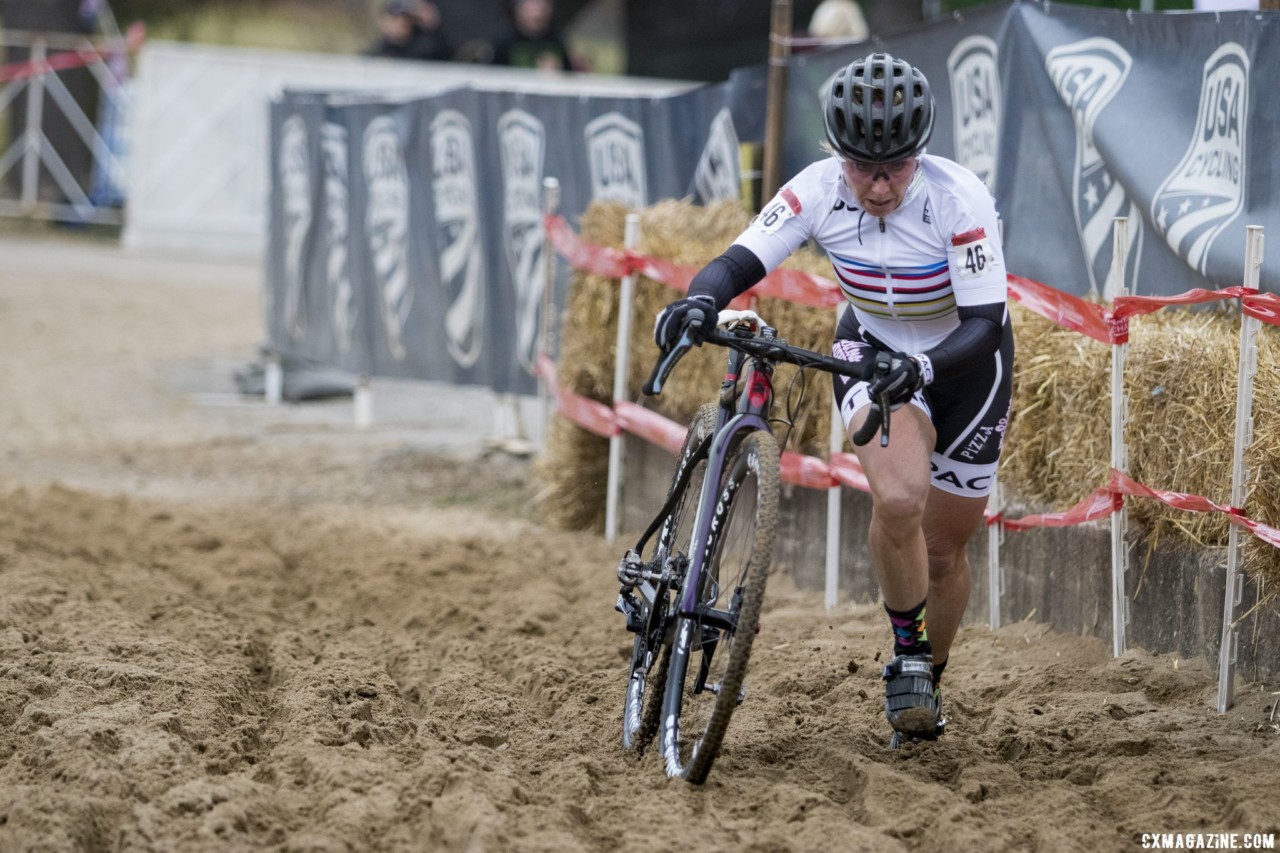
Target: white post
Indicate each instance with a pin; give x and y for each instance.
(551, 203)
(363, 403)
(1119, 454)
(34, 132)
(995, 581)
(621, 365)
(834, 503)
(273, 380)
(1243, 438)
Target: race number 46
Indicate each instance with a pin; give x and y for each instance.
(973, 252)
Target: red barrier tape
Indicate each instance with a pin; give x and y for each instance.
(1109, 326)
(791, 285)
(846, 468)
(589, 414)
(1063, 309)
(68, 59)
(1122, 484)
(1134, 306)
(650, 426)
(595, 417)
(1264, 306)
(807, 471)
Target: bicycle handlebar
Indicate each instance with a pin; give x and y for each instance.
(772, 349)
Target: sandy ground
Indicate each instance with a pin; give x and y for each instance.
(227, 626)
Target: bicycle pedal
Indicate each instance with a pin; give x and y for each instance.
(630, 608)
(714, 687)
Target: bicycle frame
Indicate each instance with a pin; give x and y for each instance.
(740, 411)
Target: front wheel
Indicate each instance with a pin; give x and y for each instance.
(711, 647)
(651, 651)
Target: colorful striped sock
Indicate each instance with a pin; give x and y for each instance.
(910, 635)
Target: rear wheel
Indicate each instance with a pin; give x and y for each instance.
(711, 646)
(652, 650)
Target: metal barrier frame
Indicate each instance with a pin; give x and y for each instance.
(51, 55)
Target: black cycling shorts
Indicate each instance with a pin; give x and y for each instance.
(969, 412)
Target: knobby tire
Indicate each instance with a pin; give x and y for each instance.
(689, 743)
(651, 652)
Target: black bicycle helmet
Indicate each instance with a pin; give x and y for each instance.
(878, 109)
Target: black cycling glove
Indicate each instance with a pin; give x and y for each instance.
(903, 380)
(671, 321)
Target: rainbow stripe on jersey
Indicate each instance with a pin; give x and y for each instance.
(902, 293)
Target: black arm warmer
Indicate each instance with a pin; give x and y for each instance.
(971, 343)
(728, 276)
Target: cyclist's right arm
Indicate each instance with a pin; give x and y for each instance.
(780, 228)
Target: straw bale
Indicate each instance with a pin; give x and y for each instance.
(1180, 379)
(1056, 447)
(573, 468)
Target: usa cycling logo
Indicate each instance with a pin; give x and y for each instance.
(522, 143)
(386, 219)
(1206, 192)
(1087, 75)
(975, 99)
(615, 153)
(295, 204)
(333, 154)
(453, 184)
(717, 174)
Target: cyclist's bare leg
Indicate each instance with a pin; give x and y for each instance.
(949, 521)
(899, 480)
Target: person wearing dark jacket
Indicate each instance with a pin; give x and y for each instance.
(411, 29)
(531, 41)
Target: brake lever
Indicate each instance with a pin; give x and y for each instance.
(653, 386)
(878, 417)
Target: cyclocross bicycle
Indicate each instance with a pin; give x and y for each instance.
(694, 601)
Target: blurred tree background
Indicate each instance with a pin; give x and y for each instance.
(656, 38)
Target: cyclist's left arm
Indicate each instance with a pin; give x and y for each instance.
(975, 257)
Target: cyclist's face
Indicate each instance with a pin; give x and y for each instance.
(879, 187)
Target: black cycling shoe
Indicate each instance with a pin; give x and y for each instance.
(912, 704)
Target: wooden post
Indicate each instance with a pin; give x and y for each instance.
(776, 96)
(1273, 5)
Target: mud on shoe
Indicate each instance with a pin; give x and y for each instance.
(912, 705)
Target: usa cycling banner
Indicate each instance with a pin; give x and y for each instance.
(407, 237)
(1075, 115)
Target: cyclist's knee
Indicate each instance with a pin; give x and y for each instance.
(899, 506)
(947, 562)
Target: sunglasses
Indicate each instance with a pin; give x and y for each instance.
(892, 169)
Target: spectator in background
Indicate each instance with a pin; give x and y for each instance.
(395, 31)
(839, 19)
(531, 41)
(429, 40)
(411, 29)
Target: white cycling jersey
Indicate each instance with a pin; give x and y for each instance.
(904, 274)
